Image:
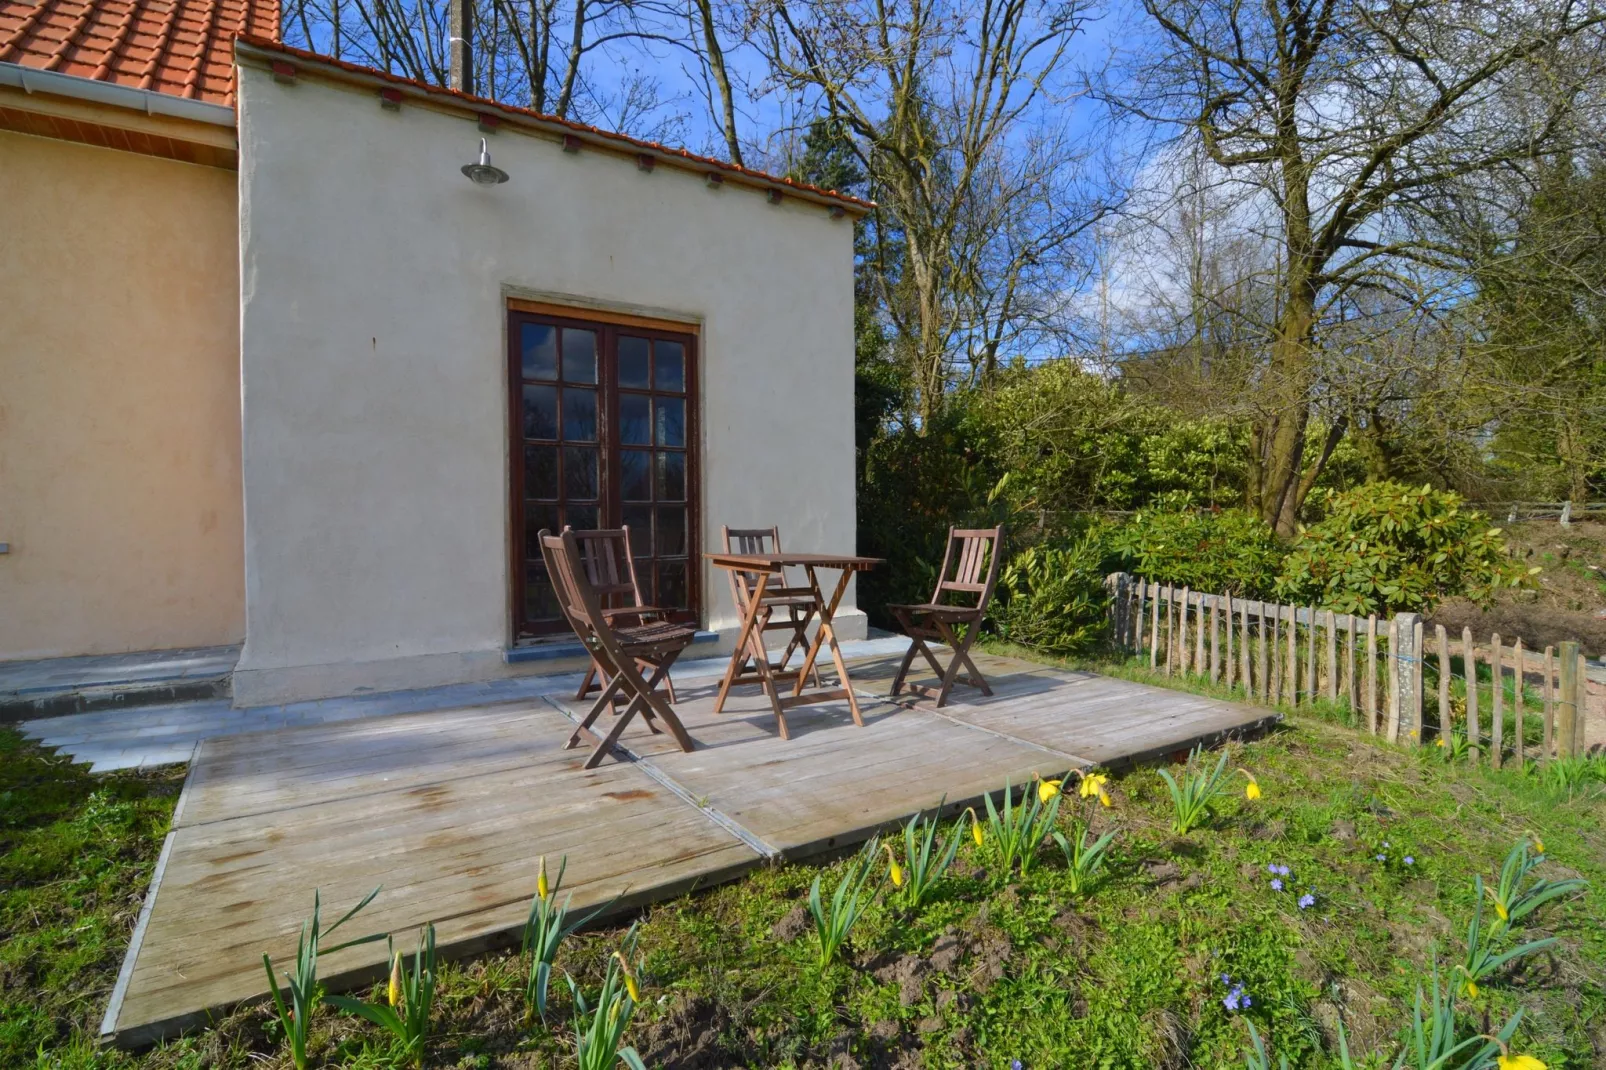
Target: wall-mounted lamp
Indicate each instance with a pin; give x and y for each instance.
(482, 172)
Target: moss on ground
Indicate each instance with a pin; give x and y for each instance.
(1127, 976)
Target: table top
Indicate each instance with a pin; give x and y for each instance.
(776, 562)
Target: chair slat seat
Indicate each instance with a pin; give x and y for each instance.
(932, 609)
(610, 568)
(977, 549)
(618, 654)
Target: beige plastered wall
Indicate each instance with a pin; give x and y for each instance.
(375, 280)
(119, 402)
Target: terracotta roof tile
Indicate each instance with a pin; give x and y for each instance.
(184, 48)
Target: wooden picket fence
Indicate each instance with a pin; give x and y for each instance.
(1509, 703)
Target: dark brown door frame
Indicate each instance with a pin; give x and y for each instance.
(608, 329)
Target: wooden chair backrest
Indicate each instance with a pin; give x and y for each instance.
(576, 596)
(977, 549)
(748, 541)
(605, 555)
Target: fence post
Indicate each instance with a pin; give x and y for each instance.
(1570, 702)
(1566, 513)
(1406, 657)
(1119, 584)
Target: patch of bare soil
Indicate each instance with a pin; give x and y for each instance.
(1567, 602)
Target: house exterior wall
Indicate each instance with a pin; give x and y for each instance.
(119, 402)
(374, 294)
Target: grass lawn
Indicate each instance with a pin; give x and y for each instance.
(990, 971)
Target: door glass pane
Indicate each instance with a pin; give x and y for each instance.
(538, 348)
(540, 603)
(669, 364)
(638, 518)
(540, 412)
(579, 473)
(635, 476)
(581, 517)
(672, 532)
(671, 421)
(634, 369)
(672, 584)
(541, 472)
(537, 518)
(635, 420)
(579, 415)
(671, 477)
(579, 356)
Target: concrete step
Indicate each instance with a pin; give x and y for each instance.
(53, 687)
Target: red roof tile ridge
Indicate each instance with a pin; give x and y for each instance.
(468, 98)
(159, 50)
(23, 29)
(103, 68)
(69, 38)
(193, 78)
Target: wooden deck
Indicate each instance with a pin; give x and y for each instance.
(450, 811)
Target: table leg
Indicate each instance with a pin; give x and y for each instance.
(749, 620)
(827, 634)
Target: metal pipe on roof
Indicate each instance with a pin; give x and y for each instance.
(32, 80)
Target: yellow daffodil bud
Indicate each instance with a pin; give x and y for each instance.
(542, 889)
(976, 832)
(1539, 848)
(1500, 909)
(897, 870)
(630, 979)
(1047, 789)
(393, 992)
(1472, 989)
(1439, 742)
(1252, 792)
(1519, 1062)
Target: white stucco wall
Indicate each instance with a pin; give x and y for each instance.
(374, 281)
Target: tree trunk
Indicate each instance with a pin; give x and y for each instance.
(1284, 440)
(716, 68)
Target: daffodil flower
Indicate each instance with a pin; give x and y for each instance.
(1104, 798)
(1047, 789)
(1519, 1062)
(541, 887)
(393, 991)
(975, 828)
(1252, 792)
(897, 870)
(1539, 848)
(1092, 786)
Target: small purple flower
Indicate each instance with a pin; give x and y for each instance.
(1276, 884)
(1272, 869)
(1236, 998)
(1382, 858)
(1014, 1064)
(1307, 901)
(1283, 870)
(1226, 979)
(1385, 843)
(1410, 861)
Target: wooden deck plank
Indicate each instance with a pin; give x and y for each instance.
(460, 850)
(450, 810)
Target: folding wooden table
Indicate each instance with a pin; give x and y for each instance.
(750, 641)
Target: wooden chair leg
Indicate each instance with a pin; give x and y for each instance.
(961, 660)
(903, 669)
(604, 701)
(589, 682)
(607, 742)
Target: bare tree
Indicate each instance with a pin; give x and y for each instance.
(1344, 116)
(939, 100)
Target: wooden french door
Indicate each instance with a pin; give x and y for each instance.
(604, 433)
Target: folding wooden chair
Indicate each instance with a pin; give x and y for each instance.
(977, 549)
(618, 651)
(605, 554)
(799, 603)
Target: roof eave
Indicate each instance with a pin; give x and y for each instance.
(263, 52)
(54, 83)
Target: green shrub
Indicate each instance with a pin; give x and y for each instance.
(1053, 597)
(1386, 547)
(1229, 551)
